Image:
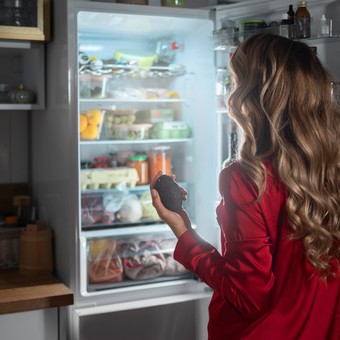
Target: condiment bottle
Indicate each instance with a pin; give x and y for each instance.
(159, 160)
(302, 15)
(140, 163)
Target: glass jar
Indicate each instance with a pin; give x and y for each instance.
(140, 163)
(21, 95)
(303, 22)
(159, 160)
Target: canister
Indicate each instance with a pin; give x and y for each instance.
(140, 163)
(36, 249)
(159, 160)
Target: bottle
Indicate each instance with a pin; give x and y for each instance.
(302, 21)
(284, 26)
(233, 145)
(291, 14)
(291, 22)
(324, 26)
(221, 88)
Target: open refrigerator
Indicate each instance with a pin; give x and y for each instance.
(125, 85)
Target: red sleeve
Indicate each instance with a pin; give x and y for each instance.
(242, 274)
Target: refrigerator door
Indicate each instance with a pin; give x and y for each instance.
(229, 31)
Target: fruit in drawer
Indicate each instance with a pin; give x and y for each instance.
(83, 122)
(90, 132)
(94, 116)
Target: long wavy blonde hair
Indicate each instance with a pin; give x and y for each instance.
(281, 99)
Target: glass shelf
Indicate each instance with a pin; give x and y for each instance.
(118, 71)
(140, 141)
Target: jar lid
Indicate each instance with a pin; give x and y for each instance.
(139, 158)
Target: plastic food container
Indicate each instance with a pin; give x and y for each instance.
(135, 57)
(155, 115)
(131, 132)
(92, 86)
(170, 130)
(91, 123)
(117, 117)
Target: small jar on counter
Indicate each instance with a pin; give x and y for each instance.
(140, 163)
(159, 160)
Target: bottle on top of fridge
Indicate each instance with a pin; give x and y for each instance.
(291, 22)
(303, 22)
(284, 26)
(324, 26)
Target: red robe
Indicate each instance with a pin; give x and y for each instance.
(264, 288)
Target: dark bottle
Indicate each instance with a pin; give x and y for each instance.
(302, 16)
(291, 14)
(291, 23)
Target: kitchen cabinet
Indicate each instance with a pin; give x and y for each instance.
(38, 325)
(23, 63)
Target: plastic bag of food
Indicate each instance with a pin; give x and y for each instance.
(142, 259)
(91, 209)
(131, 209)
(104, 263)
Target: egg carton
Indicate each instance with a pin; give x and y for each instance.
(108, 178)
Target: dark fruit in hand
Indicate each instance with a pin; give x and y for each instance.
(169, 192)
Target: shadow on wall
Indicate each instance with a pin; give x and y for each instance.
(332, 52)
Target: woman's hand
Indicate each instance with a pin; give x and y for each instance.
(178, 222)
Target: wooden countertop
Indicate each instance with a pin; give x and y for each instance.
(19, 293)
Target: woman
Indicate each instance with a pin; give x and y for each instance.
(278, 275)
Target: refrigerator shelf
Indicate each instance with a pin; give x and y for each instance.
(130, 100)
(138, 188)
(118, 71)
(117, 225)
(159, 227)
(95, 287)
(140, 141)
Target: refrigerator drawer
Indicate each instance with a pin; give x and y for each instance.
(132, 206)
(131, 258)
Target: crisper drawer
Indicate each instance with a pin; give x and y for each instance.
(132, 257)
(114, 208)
